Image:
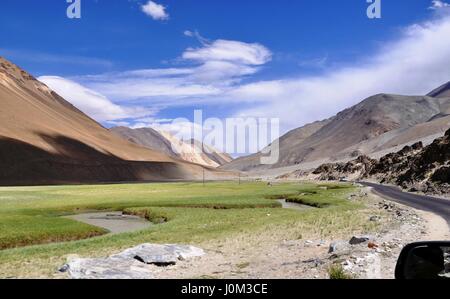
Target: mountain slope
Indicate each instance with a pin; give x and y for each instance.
(441, 92)
(44, 139)
(352, 132)
(165, 142)
(189, 152)
(146, 137)
(289, 141)
(211, 153)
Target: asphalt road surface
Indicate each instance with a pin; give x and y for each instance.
(438, 206)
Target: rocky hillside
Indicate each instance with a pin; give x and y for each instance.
(288, 145)
(191, 151)
(379, 123)
(414, 168)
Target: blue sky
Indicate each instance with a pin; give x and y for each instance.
(299, 61)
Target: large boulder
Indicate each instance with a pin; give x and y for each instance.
(339, 248)
(132, 263)
(160, 254)
(107, 268)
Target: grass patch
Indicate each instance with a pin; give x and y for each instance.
(337, 272)
(188, 212)
(243, 265)
(32, 215)
(23, 230)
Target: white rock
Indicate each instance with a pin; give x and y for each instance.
(108, 268)
(160, 254)
(347, 265)
(131, 263)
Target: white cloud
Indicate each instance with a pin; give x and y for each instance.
(320, 62)
(414, 65)
(197, 35)
(155, 10)
(213, 68)
(234, 51)
(92, 103)
(189, 33)
(438, 4)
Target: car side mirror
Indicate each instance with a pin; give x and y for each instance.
(424, 260)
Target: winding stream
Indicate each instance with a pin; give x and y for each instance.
(117, 222)
(114, 222)
(293, 205)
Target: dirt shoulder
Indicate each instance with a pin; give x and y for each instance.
(437, 227)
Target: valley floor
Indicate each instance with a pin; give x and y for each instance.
(273, 255)
(243, 228)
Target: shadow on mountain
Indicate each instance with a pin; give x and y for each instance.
(75, 162)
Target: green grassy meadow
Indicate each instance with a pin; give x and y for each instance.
(33, 232)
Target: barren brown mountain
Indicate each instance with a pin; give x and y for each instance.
(146, 137)
(380, 123)
(44, 139)
(288, 143)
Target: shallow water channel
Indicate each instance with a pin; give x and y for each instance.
(117, 222)
(293, 205)
(114, 222)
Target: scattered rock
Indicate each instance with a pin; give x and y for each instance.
(358, 240)
(415, 168)
(372, 245)
(347, 265)
(315, 261)
(64, 268)
(379, 250)
(339, 247)
(375, 218)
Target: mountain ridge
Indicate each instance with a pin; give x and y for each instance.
(192, 151)
(46, 140)
(375, 118)
(442, 91)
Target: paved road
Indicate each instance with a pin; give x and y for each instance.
(435, 205)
